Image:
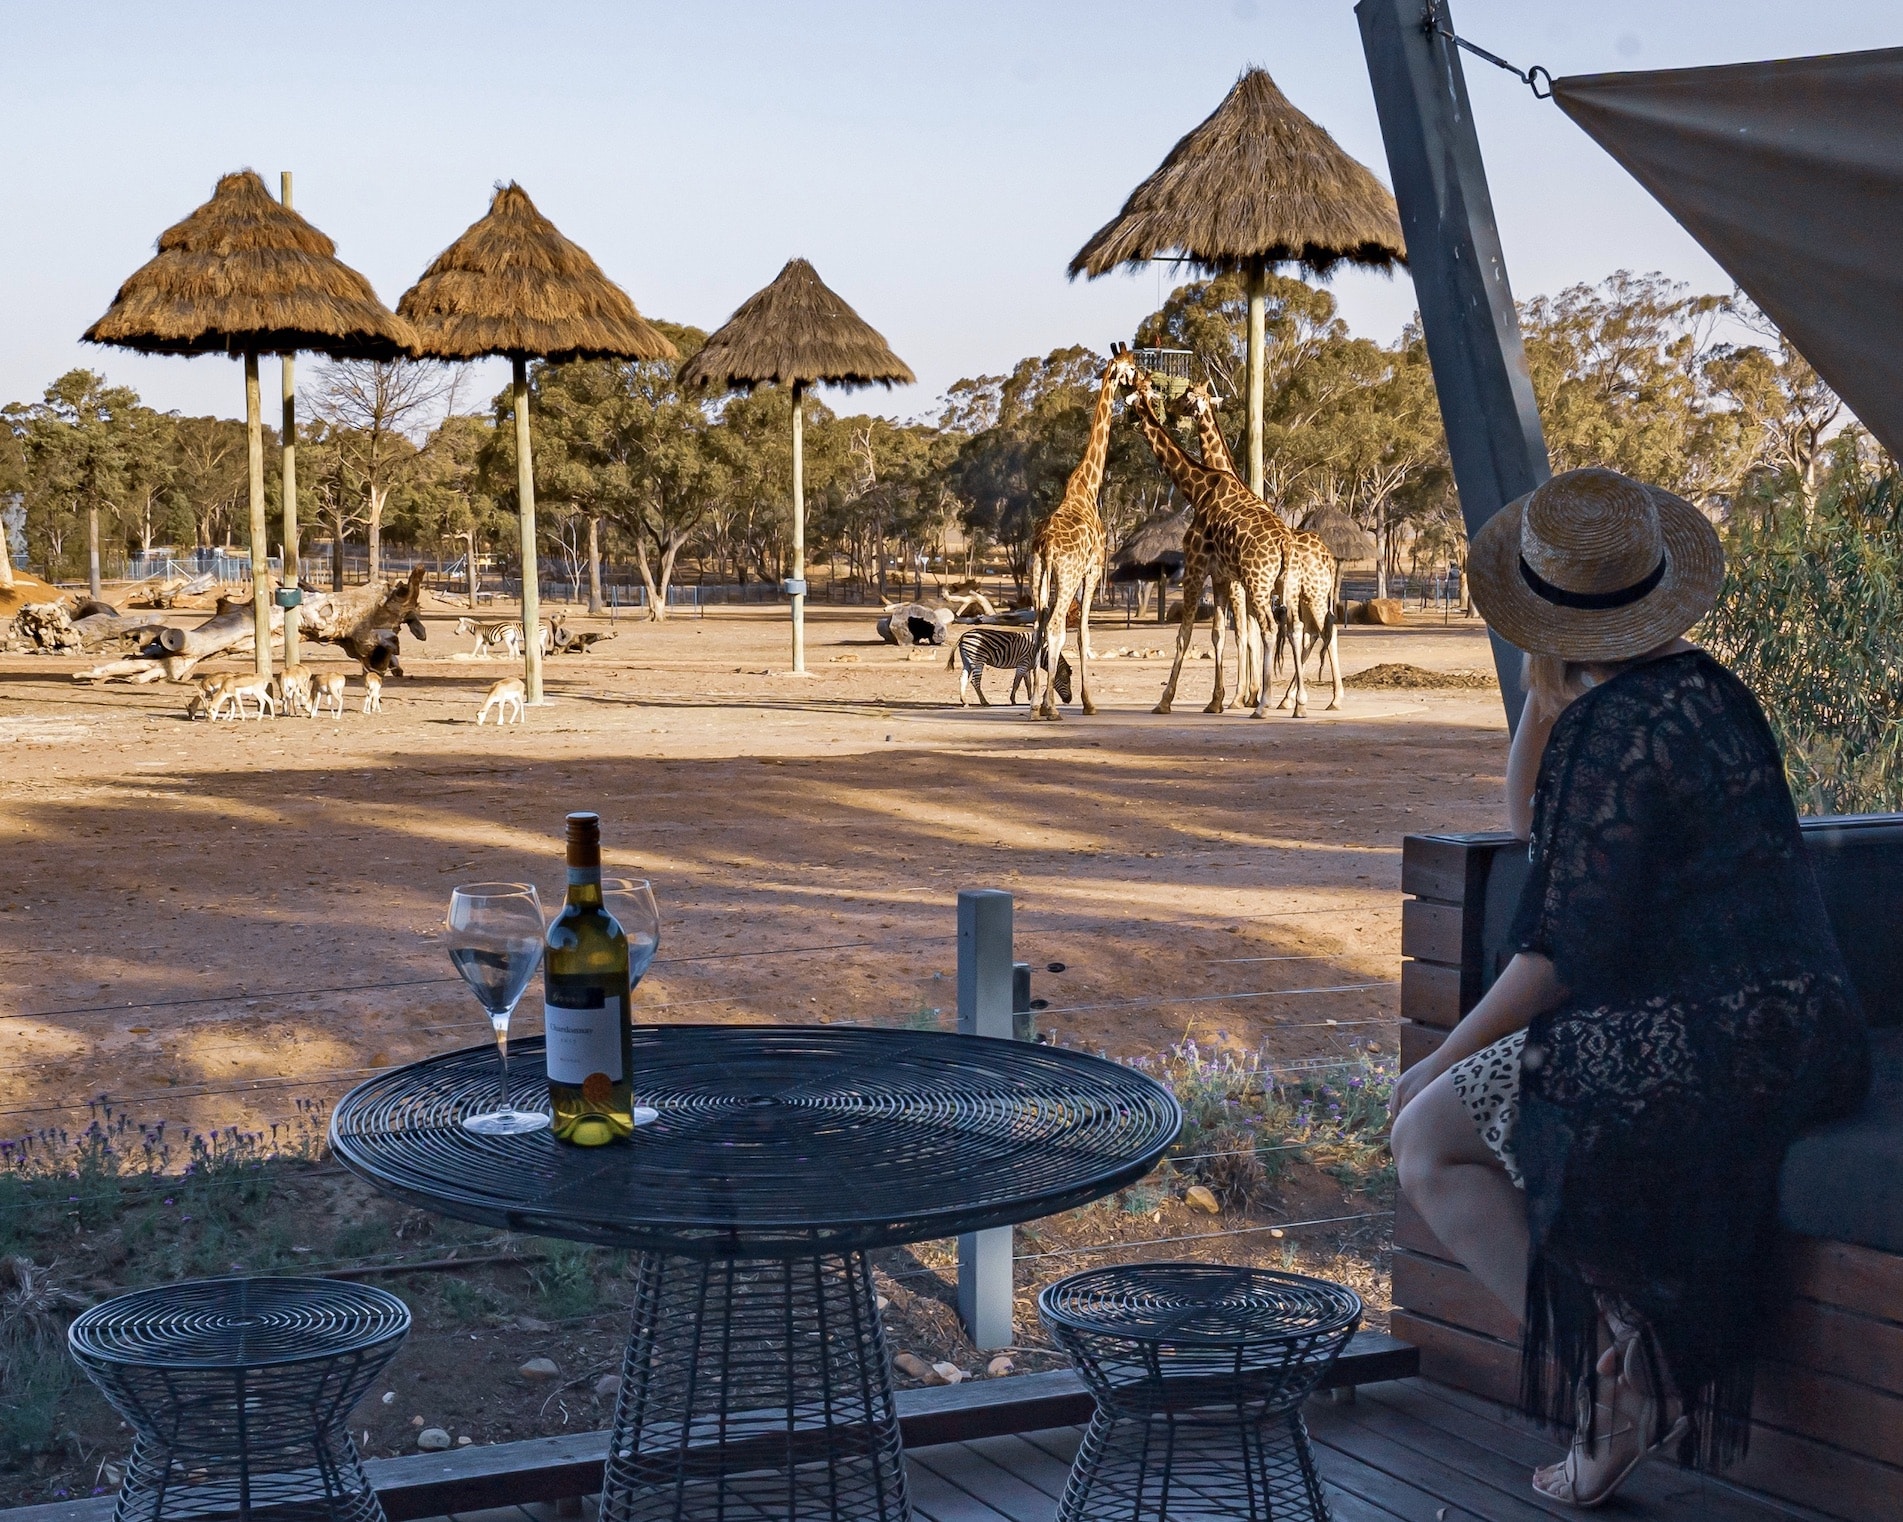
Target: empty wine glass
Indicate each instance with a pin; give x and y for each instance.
(495, 940)
(631, 901)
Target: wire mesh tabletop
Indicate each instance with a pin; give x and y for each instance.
(249, 1323)
(774, 1141)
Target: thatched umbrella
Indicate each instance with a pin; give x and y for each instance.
(1256, 185)
(245, 275)
(795, 332)
(1345, 538)
(513, 286)
(1153, 551)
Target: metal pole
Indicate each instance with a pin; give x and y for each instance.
(92, 549)
(1258, 290)
(525, 495)
(1460, 273)
(985, 987)
(796, 583)
(254, 450)
(288, 581)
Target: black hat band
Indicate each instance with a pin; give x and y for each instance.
(1622, 597)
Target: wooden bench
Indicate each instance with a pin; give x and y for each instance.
(1828, 1420)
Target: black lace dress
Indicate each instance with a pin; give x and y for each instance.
(1709, 1022)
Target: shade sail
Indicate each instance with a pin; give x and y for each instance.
(1790, 174)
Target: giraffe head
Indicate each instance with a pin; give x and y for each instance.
(1200, 401)
(1122, 369)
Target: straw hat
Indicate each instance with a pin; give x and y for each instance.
(1595, 566)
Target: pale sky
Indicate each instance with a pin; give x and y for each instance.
(939, 163)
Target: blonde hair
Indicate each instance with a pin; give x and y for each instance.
(1556, 681)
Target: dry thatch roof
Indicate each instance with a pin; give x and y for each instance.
(797, 329)
(246, 274)
(1257, 181)
(1345, 538)
(1155, 546)
(513, 285)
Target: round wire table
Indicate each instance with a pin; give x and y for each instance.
(756, 1378)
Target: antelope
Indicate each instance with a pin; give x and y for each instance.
(233, 690)
(294, 689)
(372, 692)
(507, 693)
(328, 688)
(200, 704)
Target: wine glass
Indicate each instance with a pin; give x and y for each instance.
(495, 940)
(631, 901)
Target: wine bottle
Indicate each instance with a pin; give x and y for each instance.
(585, 995)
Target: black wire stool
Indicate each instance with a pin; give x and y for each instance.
(238, 1391)
(755, 1388)
(1199, 1372)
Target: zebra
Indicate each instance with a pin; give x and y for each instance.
(507, 633)
(1004, 650)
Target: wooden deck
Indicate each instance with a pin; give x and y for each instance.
(1403, 1450)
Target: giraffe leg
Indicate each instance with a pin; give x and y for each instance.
(1331, 649)
(1186, 630)
(1085, 593)
(1055, 635)
(1218, 699)
(1299, 595)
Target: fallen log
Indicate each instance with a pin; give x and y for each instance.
(98, 628)
(364, 620)
(174, 651)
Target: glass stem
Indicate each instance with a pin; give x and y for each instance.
(502, 1051)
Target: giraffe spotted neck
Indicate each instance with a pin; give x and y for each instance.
(1209, 434)
(1087, 479)
(1197, 481)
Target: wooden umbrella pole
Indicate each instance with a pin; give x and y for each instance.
(260, 549)
(1258, 290)
(289, 485)
(799, 532)
(525, 495)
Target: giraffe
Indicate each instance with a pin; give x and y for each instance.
(1318, 565)
(1234, 531)
(1068, 551)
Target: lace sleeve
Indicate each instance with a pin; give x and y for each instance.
(1593, 839)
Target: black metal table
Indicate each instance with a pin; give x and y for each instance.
(756, 1379)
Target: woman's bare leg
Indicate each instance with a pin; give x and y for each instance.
(1462, 1191)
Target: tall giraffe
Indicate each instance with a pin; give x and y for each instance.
(1068, 552)
(1317, 562)
(1231, 530)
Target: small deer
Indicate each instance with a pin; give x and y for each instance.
(294, 689)
(235, 689)
(200, 704)
(372, 692)
(507, 693)
(328, 689)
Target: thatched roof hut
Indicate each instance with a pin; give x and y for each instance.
(1153, 550)
(1345, 538)
(246, 275)
(513, 285)
(797, 331)
(1256, 183)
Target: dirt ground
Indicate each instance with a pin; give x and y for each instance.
(226, 924)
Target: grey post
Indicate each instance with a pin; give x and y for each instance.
(984, 1009)
(1460, 274)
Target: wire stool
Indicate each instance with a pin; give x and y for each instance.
(755, 1388)
(238, 1391)
(1199, 1372)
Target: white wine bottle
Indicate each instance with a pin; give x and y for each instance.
(585, 990)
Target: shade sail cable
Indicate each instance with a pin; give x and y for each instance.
(1433, 23)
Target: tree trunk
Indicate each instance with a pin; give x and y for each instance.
(594, 564)
(337, 560)
(1380, 552)
(6, 557)
(474, 582)
(92, 550)
(373, 530)
(657, 600)
(175, 651)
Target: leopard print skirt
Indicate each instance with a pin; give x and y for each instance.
(1488, 1083)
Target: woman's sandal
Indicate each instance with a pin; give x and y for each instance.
(1563, 1482)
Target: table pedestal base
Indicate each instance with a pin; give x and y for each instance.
(755, 1388)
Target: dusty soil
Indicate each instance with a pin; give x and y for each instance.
(229, 924)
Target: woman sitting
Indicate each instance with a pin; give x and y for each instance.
(1599, 1139)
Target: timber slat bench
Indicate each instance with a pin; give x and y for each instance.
(1828, 1423)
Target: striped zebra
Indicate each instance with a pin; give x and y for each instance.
(507, 633)
(1004, 650)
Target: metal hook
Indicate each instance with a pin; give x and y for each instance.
(1431, 24)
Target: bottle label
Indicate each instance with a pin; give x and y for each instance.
(584, 877)
(584, 1040)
